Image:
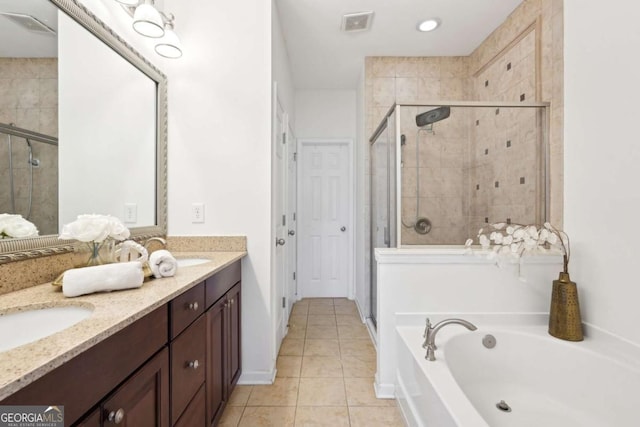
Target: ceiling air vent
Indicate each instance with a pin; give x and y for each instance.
(360, 21)
(28, 22)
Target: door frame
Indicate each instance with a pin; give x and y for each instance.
(349, 142)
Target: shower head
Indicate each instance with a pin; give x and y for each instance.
(432, 116)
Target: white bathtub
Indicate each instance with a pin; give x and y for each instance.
(545, 381)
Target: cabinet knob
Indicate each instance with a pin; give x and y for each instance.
(193, 306)
(116, 416)
(194, 364)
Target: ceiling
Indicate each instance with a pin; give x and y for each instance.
(18, 42)
(323, 57)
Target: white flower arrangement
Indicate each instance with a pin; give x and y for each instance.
(15, 226)
(514, 240)
(95, 228)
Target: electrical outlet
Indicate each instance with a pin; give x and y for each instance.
(130, 213)
(197, 212)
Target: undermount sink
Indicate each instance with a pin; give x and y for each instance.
(189, 262)
(31, 324)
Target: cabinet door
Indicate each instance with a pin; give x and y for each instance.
(233, 340)
(216, 360)
(91, 420)
(143, 400)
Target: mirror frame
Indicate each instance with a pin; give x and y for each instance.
(21, 249)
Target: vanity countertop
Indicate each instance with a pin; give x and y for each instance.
(112, 312)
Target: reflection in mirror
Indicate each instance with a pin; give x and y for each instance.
(29, 100)
(64, 73)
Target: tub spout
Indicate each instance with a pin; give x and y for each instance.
(431, 331)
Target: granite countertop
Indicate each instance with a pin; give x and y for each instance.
(112, 312)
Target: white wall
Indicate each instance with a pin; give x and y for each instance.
(219, 148)
(602, 154)
(325, 114)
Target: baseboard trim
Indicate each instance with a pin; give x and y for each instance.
(384, 391)
(257, 377)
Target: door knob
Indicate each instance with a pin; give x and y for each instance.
(280, 241)
(116, 417)
(343, 228)
(292, 232)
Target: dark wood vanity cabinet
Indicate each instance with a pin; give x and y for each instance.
(176, 366)
(219, 345)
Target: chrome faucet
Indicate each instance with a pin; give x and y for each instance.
(430, 332)
(150, 240)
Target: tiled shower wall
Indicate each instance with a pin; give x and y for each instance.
(29, 99)
(522, 57)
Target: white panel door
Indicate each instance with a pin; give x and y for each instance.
(292, 237)
(279, 219)
(324, 220)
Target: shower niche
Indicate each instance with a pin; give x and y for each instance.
(441, 172)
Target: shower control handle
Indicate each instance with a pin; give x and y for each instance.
(343, 228)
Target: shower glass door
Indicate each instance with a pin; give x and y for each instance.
(383, 199)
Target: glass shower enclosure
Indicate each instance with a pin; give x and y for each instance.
(440, 172)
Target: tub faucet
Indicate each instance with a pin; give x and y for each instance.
(431, 331)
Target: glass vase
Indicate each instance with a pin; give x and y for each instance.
(94, 254)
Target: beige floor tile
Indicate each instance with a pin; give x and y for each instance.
(300, 310)
(362, 349)
(343, 301)
(291, 347)
(321, 320)
(321, 366)
(268, 417)
(360, 392)
(297, 332)
(322, 332)
(367, 416)
(322, 416)
(321, 348)
(298, 320)
(240, 395)
(345, 309)
(321, 301)
(288, 366)
(321, 309)
(353, 332)
(283, 392)
(231, 416)
(348, 319)
(321, 392)
(304, 301)
(354, 367)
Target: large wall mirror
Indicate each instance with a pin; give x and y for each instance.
(83, 126)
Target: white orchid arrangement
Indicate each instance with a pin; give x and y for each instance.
(514, 240)
(95, 228)
(15, 226)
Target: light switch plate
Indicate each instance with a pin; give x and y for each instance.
(130, 213)
(197, 213)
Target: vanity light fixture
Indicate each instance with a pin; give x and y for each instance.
(169, 46)
(429, 24)
(148, 21)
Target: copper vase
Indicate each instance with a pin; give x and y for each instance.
(565, 322)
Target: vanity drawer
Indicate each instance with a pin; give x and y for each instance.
(195, 414)
(186, 308)
(221, 282)
(187, 366)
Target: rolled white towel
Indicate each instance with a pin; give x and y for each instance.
(102, 278)
(163, 264)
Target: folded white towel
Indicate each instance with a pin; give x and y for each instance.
(163, 264)
(109, 277)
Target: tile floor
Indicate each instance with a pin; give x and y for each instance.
(325, 375)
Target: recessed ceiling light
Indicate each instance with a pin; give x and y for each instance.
(429, 24)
